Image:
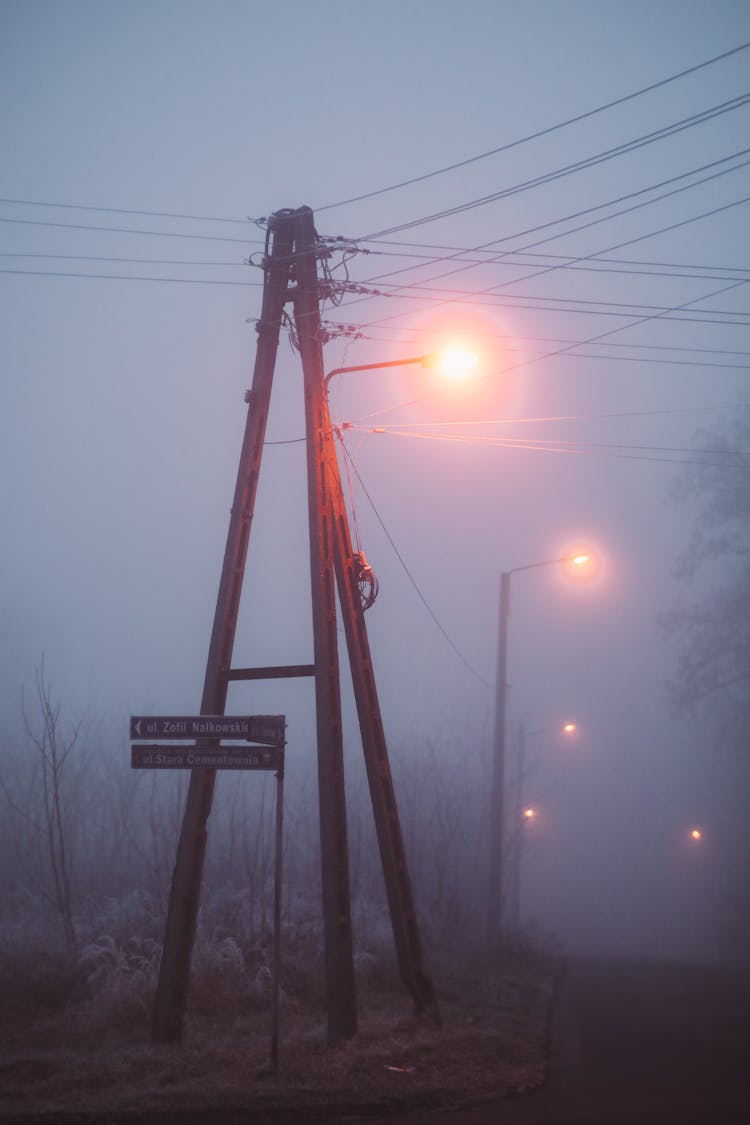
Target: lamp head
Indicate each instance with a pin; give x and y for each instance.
(455, 363)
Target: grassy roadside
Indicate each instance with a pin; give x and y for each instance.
(85, 1064)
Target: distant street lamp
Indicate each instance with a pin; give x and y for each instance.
(495, 880)
(696, 834)
(527, 814)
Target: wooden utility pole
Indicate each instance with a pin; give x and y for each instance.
(339, 955)
(174, 972)
(291, 274)
(382, 794)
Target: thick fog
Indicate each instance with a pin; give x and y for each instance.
(142, 142)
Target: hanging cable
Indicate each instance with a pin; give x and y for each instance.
(367, 581)
(413, 581)
(594, 449)
(570, 169)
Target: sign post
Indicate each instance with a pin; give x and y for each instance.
(269, 732)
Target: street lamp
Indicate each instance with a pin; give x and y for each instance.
(454, 362)
(495, 881)
(525, 814)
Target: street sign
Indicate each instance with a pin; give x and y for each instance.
(154, 756)
(183, 728)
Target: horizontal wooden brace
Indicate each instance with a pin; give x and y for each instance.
(273, 672)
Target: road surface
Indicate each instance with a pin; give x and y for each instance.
(637, 1043)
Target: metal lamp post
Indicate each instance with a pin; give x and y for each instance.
(495, 865)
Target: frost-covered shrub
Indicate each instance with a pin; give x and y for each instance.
(120, 979)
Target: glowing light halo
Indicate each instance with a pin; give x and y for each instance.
(456, 362)
(584, 562)
(485, 390)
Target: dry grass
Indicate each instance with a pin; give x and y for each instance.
(91, 1062)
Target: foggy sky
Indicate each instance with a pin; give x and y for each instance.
(123, 410)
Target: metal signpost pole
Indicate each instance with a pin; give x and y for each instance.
(276, 985)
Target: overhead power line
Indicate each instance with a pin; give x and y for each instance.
(566, 305)
(127, 211)
(131, 230)
(670, 455)
(606, 415)
(132, 277)
(415, 287)
(569, 262)
(517, 259)
(505, 342)
(501, 258)
(445, 250)
(241, 264)
(569, 169)
(540, 133)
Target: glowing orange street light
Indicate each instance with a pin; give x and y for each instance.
(454, 362)
(526, 812)
(495, 866)
(696, 834)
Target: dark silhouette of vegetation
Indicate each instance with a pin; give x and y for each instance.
(711, 628)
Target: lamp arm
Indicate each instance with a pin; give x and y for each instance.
(373, 366)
